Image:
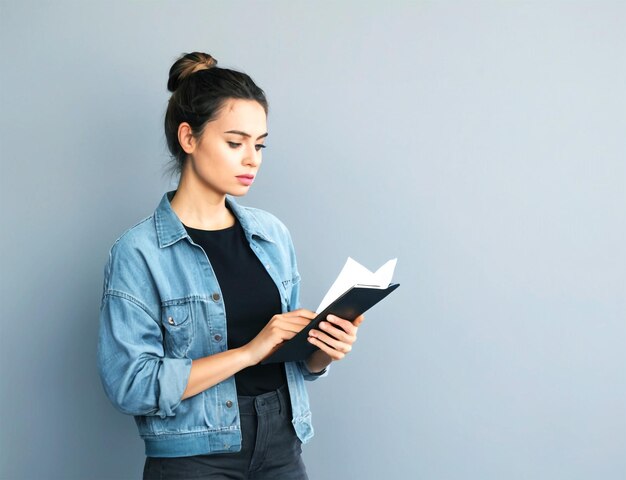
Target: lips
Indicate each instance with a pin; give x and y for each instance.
(246, 179)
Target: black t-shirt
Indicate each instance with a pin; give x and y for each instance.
(250, 297)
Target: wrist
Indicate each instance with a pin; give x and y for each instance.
(317, 362)
(247, 356)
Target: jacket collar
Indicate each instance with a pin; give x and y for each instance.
(170, 229)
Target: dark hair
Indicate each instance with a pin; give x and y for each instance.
(199, 90)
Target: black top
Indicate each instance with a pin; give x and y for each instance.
(250, 297)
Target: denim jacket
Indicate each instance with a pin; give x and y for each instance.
(162, 307)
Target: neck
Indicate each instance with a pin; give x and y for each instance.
(198, 206)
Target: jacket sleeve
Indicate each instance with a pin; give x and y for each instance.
(136, 375)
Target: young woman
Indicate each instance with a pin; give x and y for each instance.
(198, 293)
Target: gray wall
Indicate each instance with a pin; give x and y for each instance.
(481, 143)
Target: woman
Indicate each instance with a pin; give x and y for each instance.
(197, 294)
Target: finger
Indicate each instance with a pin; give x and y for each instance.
(358, 320)
(331, 352)
(300, 321)
(302, 312)
(342, 323)
(289, 317)
(284, 333)
(290, 326)
(338, 345)
(336, 333)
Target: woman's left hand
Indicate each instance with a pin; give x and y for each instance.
(334, 340)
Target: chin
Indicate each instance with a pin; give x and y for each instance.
(238, 192)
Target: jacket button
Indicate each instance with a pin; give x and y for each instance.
(217, 337)
(215, 296)
(229, 403)
(170, 320)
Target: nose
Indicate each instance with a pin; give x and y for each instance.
(252, 158)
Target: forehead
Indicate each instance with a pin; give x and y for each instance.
(245, 115)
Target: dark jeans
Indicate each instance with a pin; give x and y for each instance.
(270, 448)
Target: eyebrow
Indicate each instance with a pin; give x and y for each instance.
(244, 134)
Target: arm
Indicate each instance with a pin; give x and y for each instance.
(140, 380)
(137, 377)
(208, 371)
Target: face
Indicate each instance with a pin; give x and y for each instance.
(227, 157)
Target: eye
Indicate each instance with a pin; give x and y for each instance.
(259, 146)
(233, 144)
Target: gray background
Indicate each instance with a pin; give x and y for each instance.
(481, 143)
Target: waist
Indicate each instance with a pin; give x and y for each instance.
(270, 402)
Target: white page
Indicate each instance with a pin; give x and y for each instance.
(353, 273)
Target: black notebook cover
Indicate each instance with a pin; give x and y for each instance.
(350, 305)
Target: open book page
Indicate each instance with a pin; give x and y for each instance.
(353, 273)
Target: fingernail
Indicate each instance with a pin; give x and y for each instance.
(330, 317)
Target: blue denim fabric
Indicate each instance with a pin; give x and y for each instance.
(162, 307)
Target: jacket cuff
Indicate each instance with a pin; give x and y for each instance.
(173, 377)
(308, 375)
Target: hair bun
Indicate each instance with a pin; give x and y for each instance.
(187, 64)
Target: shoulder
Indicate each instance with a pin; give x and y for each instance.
(131, 255)
(140, 236)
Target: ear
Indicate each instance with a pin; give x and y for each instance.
(185, 138)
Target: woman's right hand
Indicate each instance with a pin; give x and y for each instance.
(212, 369)
(279, 329)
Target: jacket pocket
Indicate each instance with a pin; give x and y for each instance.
(178, 329)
